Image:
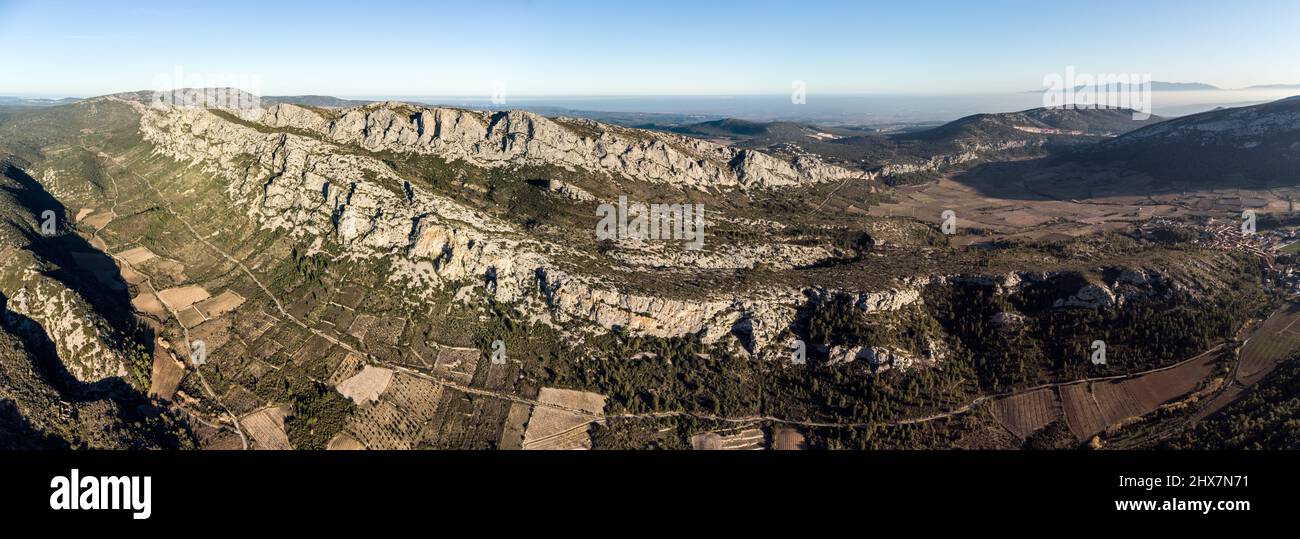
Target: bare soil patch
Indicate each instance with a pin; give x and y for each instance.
(190, 317)
(344, 442)
(148, 303)
(221, 304)
(266, 427)
(98, 220)
(742, 439)
(167, 374)
(367, 385)
(512, 433)
(552, 428)
(136, 256)
(183, 296)
(1025, 413)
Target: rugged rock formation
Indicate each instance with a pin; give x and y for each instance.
(566, 190)
(880, 359)
(948, 161)
(304, 188)
(1091, 296)
(51, 311)
(517, 137)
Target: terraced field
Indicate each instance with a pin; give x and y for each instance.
(566, 424)
(739, 439)
(1092, 407)
(1275, 341)
(1025, 413)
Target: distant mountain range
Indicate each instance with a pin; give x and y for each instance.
(1158, 86)
(1162, 86)
(309, 100)
(317, 101)
(1274, 87)
(10, 101)
(1254, 143)
(919, 152)
(759, 132)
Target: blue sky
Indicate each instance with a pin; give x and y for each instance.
(695, 47)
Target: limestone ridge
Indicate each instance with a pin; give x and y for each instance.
(490, 139)
(309, 188)
(305, 188)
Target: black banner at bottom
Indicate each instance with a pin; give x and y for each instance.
(306, 490)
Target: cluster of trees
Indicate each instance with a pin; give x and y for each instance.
(839, 321)
(1057, 343)
(911, 178)
(643, 374)
(1172, 235)
(318, 414)
(311, 268)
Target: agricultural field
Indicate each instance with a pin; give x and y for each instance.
(166, 375)
(223, 303)
(344, 442)
(786, 438)
(562, 418)
(1025, 413)
(512, 433)
(367, 385)
(400, 417)
(1092, 407)
(1277, 340)
(182, 297)
(136, 255)
(266, 427)
(1050, 203)
(737, 439)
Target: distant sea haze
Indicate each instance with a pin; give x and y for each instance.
(873, 109)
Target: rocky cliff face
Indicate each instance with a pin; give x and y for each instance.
(516, 137)
(47, 309)
(878, 359)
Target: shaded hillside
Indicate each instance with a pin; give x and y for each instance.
(1259, 144)
(1063, 123)
(59, 328)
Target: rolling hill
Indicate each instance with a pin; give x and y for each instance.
(1259, 143)
(922, 153)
